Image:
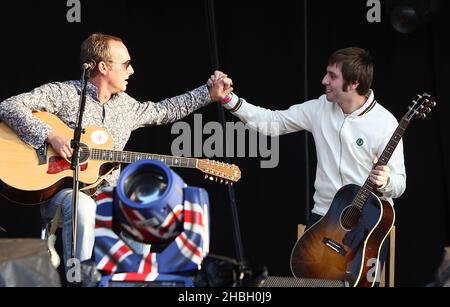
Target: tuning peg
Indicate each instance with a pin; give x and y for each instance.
(428, 110)
(433, 104)
(206, 177)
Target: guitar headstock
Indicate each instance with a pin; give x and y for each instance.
(219, 171)
(421, 107)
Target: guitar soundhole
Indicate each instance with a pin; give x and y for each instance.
(350, 218)
(84, 153)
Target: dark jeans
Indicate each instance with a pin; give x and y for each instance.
(314, 218)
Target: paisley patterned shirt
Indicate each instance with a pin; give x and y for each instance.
(120, 115)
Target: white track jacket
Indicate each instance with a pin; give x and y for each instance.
(346, 145)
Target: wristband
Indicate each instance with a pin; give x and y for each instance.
(227, 99)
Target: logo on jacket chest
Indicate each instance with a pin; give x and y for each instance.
(360, 142)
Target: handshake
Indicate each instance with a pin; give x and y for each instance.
(220, 87)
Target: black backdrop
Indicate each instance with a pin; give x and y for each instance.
(261, 47)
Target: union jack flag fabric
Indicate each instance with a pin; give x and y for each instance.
(183, 255)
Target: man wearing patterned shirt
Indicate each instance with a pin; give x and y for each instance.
(107, 106)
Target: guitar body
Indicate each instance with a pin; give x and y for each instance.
(331, 249)
(26, 181)
(29, 176)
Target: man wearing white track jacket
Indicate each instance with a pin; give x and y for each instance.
(350, 129)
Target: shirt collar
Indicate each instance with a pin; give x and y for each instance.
(92, 90)
(367, 106)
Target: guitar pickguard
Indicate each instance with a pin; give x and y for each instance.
(58, 165)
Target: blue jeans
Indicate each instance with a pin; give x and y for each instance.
(314, 218)
(85, 220)
(85, 225)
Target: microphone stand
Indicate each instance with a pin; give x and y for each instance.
(306, 138)
(246, 276)
(75, 144)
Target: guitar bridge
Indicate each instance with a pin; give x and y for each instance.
(338, 248)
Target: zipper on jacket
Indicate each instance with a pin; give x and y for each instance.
(340, 151)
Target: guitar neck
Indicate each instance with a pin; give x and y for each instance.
(369, 186)
(395, 139)
(130, 157)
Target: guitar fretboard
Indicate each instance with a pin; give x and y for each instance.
(369, 186)
(130, 157)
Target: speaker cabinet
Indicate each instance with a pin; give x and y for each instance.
(290, 282)
(26, 263)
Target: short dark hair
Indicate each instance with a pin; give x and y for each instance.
(357, 65)
(96, 47)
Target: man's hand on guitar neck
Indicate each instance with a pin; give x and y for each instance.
(60, 144)
(380, 175)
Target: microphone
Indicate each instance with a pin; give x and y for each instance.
(89, 64)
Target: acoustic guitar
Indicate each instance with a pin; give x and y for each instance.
(30, 176)
(345, 244)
